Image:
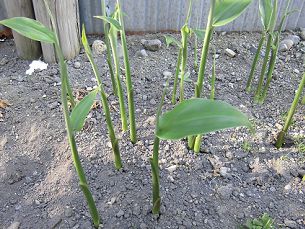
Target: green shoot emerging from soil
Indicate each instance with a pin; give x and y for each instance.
(264, 222)
(281, 137)
(109, 60)
(268, 12)
(37, 31)
(191, 117)
(221, 13)
(113, 139)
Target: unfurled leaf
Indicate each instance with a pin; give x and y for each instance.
(199, 33)
(81, 110)
(111, 21)
(186, 77)
(265, 10)
(228, 10)
(199, 116)
(170, 40)
(30, 28)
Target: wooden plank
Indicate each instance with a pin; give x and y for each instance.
(66, 15)
(26, 48)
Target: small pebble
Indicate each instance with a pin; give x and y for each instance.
(230, 52)
(77, 65)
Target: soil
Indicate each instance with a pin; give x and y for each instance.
(237, 176)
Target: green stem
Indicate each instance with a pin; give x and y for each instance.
(291, 112)
(131, 107)
(76, 160)
(64, 98)
(253, 67)
(176, 76)
(205, 51)
(105, 104)
(113, 42)
(204, 55)
(184, 34)
(197, 143)
(270, 71)
(154, 162)
(109, 62)
(263, 70)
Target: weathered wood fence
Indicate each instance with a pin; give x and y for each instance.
(143, 16)
(67, 24)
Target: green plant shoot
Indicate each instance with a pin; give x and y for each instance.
(191, 117)
(112, 136)
(109, 61)
(281, 137)
(221, 13)
(131, 107)
(113, 34)
(35, 30)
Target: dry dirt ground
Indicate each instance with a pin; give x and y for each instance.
(238, 176)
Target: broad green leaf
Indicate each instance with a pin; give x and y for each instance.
(81, 110)
(111, 21)
(170, 40)
(265, 10)
(228, 10)
(199, 116)
(199, 33)
(30, 28)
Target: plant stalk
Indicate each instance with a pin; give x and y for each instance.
(131, 107)
(205, 51)
(255, 60)
(71, 137)
(280, 140)
(76, 160)
(105, 104)
(109, 62)
(184, 61)
(263, 70)
(270, 71)
(154, 162)
(113, 42)
(176, 76)
(204, 55)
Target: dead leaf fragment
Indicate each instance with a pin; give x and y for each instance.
(4, 104)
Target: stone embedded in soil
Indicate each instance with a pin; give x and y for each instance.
(296, 39)
(151, 45)
(172, 168)
(98, 47)
(290, 223)
(286, 45)
(141, 53)
(167, 74)
(77, 65)
(120, 213)
(4, 61)
(230, 52)
(153, 102)
(14, 225)
(224, 171)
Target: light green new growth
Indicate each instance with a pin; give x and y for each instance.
(131, 108)
(281, 137)
(109, 61)
(113, 139)
(113, 41)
